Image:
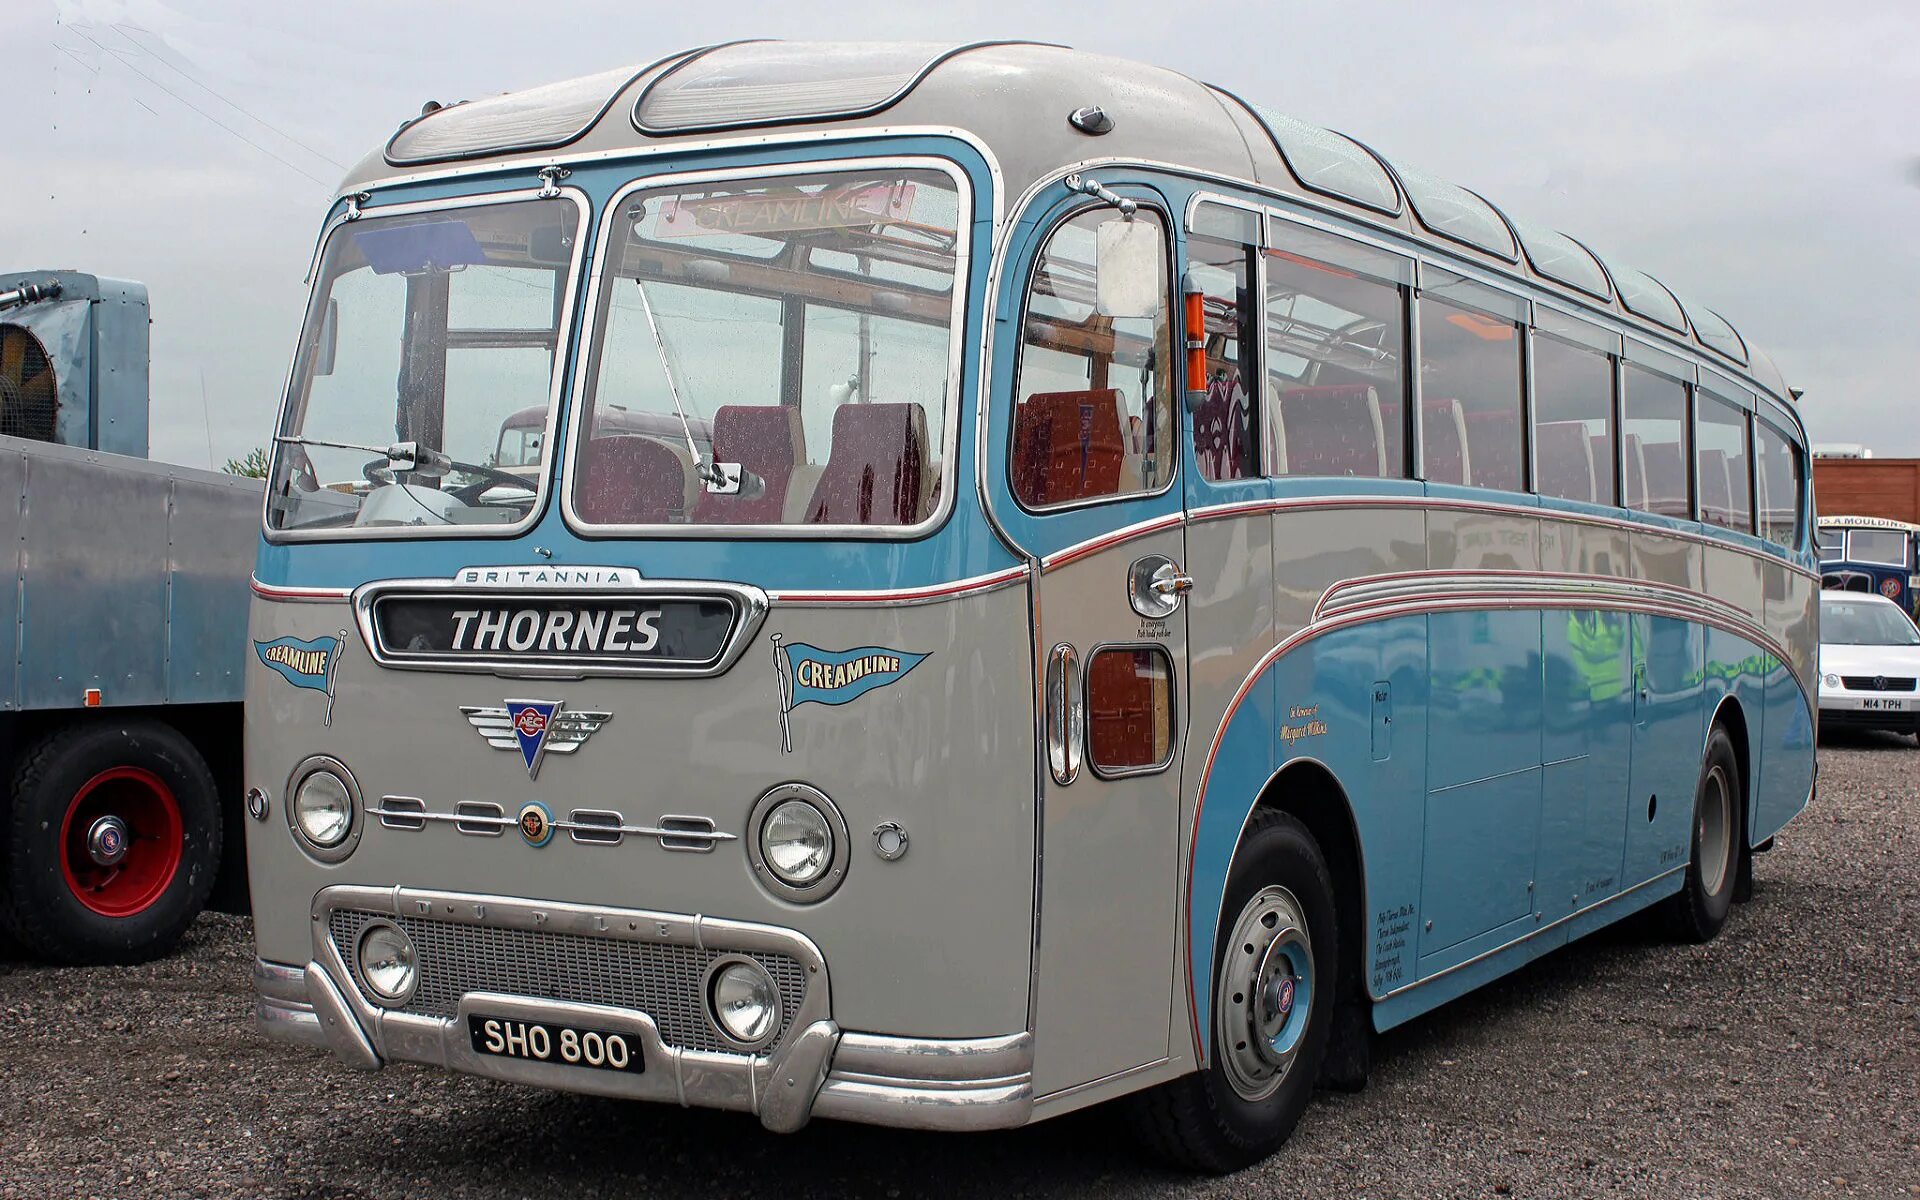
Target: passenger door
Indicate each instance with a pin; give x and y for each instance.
(1093, 456)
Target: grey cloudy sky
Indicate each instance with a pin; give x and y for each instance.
(1760, 158)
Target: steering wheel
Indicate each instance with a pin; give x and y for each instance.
(380, 474)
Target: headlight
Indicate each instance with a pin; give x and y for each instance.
(324, 808)
(797, 843)
(797, 840)
(387, 962)
(1832, 681)
(743, 1001)
(322, 805)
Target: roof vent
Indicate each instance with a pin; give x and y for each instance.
(776, 83)
(1091, 120)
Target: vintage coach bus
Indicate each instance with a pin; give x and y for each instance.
(1119, 592)
(1871, 554)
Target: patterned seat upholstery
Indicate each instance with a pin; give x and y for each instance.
(1666, 478)
(1493, 438)
(631, 480)
(1633, 485)
(1716, 488)
(1332, 430)
(877, 471)
(1443, 433)
(1563, 459)
(1066, 446)
(764, 439)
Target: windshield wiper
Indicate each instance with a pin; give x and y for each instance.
(724, 479)
(400, 456)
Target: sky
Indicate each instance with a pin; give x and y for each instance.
(1760, 158)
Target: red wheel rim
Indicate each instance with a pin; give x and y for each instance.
(146, 807)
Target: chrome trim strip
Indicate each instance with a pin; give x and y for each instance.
(1533, 933)
(961, 1060)
(1214, 512)
(1399, 587)
(268, 591)
(1106, 541)
(589, 344)
(614, 832)
(903, 597)
(283, 982)
(750, 608)
(295, 1024)
(557, 377)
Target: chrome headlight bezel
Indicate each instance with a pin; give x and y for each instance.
(1832, 682)
(381, 995)
(308, 768)
(775, 1011)
(838, 851)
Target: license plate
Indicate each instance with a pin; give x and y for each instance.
(1884, 705)
(547, 1042)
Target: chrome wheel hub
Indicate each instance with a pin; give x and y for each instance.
(107, 841)
(1713, 831)
(1265, 993)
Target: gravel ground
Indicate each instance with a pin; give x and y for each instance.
(1782, 1060)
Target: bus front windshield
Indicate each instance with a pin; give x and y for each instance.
(774, 351)
(426, 333)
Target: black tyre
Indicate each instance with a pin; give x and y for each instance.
(1719, 828)
(112, 842)
(1275, 964)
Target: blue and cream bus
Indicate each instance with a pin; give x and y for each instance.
(1051, 582)
(1871, 554)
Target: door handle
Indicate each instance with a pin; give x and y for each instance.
(1170, 581)
(1154, 586)
(1066, 713)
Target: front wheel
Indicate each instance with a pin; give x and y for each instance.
(1713, 872)
(112, 844)
(1274, 969)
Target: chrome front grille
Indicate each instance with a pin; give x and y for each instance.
(1876, 683)
(663, 980)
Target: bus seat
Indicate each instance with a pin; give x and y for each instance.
(800, 489)
(1333, 430)
(763, 438)
(627, 479)
(1443, 429)
(876, 473)
(1564, 460)
(1493, 440)
(1067, 446)
(1633, 485)
(1716, 489)
(1666, 478)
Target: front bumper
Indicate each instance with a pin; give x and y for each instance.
(812, 1068)
(1868, 710)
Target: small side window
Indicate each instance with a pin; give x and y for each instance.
(1573, 422)
(1469, 396)
(1653, 437)
(1779, 470)
(1224, 426)
(1129, 710)
(1720, 458)
(1094, 417)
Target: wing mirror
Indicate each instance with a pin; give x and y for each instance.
(1128, 268)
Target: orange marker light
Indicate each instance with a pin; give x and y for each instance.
(92, 697)
(1196, 338)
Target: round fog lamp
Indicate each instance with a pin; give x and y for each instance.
(323, 809)
(797, 842)
(745, 1004)
(1832, 681)
(387, 962)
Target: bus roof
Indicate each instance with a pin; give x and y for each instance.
(992, 90)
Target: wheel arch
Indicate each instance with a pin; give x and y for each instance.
(1730, 715)
(1307, 790)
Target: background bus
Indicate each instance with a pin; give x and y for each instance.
(1871, 554)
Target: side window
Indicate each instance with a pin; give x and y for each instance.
(1832, 543)
(1653, 436)
(1094, 416)
(1469, 396)
(1573, 421)
(1336, 350)
(1778, 468)
(1223, 428)
(1720, 458)
(1129, 710)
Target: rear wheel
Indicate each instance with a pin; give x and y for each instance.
(113, 842)
(1274, 971)
(1713, 871)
